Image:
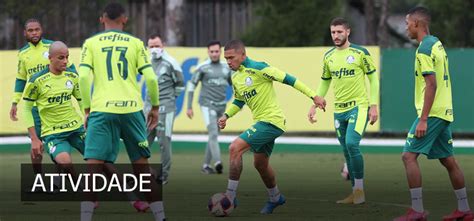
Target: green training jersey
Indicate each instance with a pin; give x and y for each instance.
(431, 58)
(253, 85)
(347, 69)
(115, 58)
(53, 96)
(31, 59)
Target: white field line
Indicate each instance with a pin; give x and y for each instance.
(282, 140)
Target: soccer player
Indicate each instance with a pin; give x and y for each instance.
(53, 89)
(430, 133)
(116, 57)
(32, 58)
(171, 84)
(347, 65)
(215, 77)
(62, 129)
(253, 85)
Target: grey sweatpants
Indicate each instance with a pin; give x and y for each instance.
(163, 131)
(210, 117)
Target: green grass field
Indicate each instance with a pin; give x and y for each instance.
(307, 175)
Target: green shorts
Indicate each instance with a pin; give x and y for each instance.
(104, 131)
(437, 142)
(36, 120)
(65, 141)
(261, 137)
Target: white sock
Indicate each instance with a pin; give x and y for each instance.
(232, 188)
(416, 199)
(87, 209)
(463, 205)
(274, 194)
(358, 184)
(157, 210)
(205, 165)
(216, 163)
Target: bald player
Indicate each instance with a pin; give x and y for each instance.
(53, 89)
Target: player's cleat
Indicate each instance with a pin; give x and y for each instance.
(270, 206)
(359, 196)
(459, 215)
(207, 170)
(413, 215)
(141, 206)
(219, 168)
(161, 180)
(348, 200)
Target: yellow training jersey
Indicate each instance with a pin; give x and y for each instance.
(431, 58)
(53, 96)
(31, 59)
(346, 69)
(253, 85)
(115, 58)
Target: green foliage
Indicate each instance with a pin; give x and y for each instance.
(292, 22)
(452, 21)
(305, 22)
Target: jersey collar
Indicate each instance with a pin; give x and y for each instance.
(246, 62)
(40, 43)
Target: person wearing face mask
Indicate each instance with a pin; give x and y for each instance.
(215, 77)
(171, 84)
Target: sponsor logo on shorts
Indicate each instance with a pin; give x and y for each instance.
(51, 147)
(248, 133)
(336, 124)
(143, 144)
(352, 118)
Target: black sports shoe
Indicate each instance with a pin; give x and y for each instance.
(219, 168)
(207, 170)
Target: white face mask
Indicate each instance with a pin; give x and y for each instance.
(156, 52)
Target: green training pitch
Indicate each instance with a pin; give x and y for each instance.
(307, 175)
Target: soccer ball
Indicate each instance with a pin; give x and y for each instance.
(220, 205)
(345, 172)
